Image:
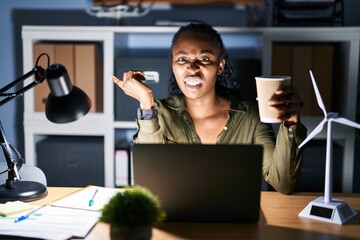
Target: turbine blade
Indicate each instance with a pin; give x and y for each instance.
(314, 132)
(318, 95)
(346, 122)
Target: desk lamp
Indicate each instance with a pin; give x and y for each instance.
(65, 103)
(326, 208)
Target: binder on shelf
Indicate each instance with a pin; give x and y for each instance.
(122, 167)
(322, 65)
(88, 73)
(64, 56)
(301, 63)
(42, 90)
(122, 164)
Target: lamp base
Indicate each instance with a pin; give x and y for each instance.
(25, 191)
(336, 211)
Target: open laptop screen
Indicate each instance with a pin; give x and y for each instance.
(202, 183)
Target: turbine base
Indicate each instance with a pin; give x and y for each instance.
(336, 211)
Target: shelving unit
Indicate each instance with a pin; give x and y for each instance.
(36, 126)
(127, 42)
(348, 40)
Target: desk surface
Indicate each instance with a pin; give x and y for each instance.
(279, 220)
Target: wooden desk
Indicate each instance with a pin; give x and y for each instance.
(279, 220)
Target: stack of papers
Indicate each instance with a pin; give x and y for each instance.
(51, 223)
(68, 217)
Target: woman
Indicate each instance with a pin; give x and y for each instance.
(202, 110)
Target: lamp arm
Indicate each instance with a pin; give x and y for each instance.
(13, 169)
(15, 162)
(39, 73)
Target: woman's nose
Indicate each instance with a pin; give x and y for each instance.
(194, 65)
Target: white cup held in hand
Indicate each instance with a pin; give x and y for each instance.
(266, 87)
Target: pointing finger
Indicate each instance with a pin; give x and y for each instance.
(117, 81)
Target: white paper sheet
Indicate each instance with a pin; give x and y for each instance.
(51, 223)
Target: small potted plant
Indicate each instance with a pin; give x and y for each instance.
(132, 213)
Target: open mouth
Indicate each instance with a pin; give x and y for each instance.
(193, 81)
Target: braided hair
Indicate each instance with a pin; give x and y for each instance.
(225, 82)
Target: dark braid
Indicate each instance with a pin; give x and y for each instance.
(225, 81)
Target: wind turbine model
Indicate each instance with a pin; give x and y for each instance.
(326, 208)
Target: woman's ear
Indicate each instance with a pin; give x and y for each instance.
(221, 66)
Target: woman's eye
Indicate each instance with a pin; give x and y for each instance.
(182, 60)
(205, 60)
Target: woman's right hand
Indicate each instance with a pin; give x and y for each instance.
(133, 86)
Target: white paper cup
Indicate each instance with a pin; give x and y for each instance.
(266, 87)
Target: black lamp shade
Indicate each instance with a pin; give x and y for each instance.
(65, 103)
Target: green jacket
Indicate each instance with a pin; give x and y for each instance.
(282, 161)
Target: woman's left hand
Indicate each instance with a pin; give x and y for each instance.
(287, 103)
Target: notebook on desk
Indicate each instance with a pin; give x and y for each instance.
(202, 183)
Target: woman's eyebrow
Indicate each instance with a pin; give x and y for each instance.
(209, 51)
(181, 52)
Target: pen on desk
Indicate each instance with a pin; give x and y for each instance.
(91, 202)
(23, 217)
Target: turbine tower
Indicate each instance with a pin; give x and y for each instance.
(326, 208)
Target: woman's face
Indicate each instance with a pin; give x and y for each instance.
(196, 65)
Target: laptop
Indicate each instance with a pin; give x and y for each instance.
(202, 183)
